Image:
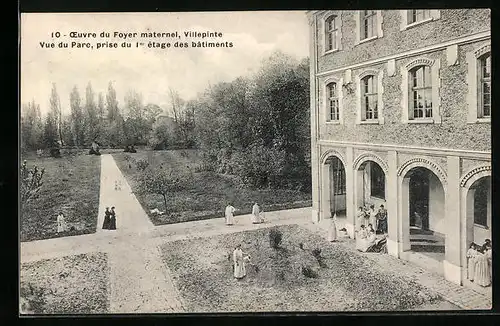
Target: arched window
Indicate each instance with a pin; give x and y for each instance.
(369, 97)
(332, 33)
(377, 181)
(420, 97)
(484, 82)
(415, 16)
(333, 102)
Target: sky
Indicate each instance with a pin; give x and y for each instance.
(150, 71)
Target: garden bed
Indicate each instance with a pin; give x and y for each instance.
(208, 193)
(68, 285)
(346, 281)
(70, 185)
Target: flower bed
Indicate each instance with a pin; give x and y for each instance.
(68, 285)
(346, 281)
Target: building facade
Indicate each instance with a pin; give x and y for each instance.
(400, 116)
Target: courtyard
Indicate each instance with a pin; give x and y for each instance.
(184, 267)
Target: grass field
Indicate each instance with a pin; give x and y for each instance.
(208, 193)
(68, 285)
(70, 185)
(346, 281)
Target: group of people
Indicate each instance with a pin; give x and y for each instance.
(109, 219)
(257, 214)
(377, 218)
(366, 240)
(479, 268)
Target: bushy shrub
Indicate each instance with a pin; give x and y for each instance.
(275, 237)
(316, 253)
(309, 272)
(141, 164)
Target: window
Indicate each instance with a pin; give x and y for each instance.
(333, 102)
(377, 182)
(479, 81)
(415, 16)
(421, 92)
(369, 93)
(332, 33)
(339, 186)
(369, 97)
(484, 94)
(420, 86)
(368, 24)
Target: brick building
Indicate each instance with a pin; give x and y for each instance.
(400, 116)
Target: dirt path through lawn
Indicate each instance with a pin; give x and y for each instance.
(130, 217)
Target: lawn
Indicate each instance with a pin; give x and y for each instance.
(68, 285)
(345, 279)
(208, 192)
(70, 185)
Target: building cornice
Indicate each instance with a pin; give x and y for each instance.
(481, 155)
(431, 48)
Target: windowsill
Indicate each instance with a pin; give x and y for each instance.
(368, 39)
(333, 122)
(481, 120)
(481, 226)
(418, 23)
(421, 121)
(369, 122)
(331, 51)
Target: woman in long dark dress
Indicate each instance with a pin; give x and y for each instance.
(107, 219)
(112, 222)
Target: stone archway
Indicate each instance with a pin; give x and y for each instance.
(333, 184)
(370, 178)
(475, 188)
(421, 201)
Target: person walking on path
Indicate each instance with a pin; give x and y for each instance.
(61, 223)
(230, 214)
(107, 219)
(112, 221)
(256, 218)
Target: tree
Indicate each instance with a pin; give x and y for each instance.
(31, 126)
(162, 182)
(78, 129)
(55, 107)
(50, 134)
(112, 103)
(31, 183)
(162, 133)
(91, 116)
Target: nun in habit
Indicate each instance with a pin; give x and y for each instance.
(61, 223)
(332, 229)
(112, 220)
(256, 218)
(239, 263)
(482, 275)
(230, 214)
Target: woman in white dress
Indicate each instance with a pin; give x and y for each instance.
(61, 223)
(488, 254)
(256, 214)
(230, 214)
(471, 261)
(332, 230)
(239, 263)
(360, 217)
(373, 216)
(482, 275)
(361, 238)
